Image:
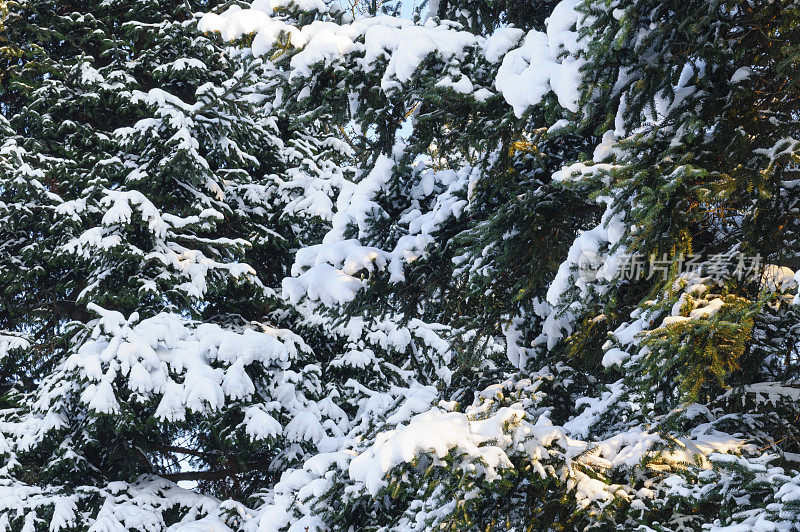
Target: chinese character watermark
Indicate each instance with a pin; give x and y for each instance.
(637, 266)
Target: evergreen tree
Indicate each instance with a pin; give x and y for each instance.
(142, 230)
(695, 157)
(437, 154)
(605, 197)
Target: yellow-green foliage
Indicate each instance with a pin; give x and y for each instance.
(8, 51)
(703, 350)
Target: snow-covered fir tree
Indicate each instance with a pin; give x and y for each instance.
(505, 266)
(143, 189)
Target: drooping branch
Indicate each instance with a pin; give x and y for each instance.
(201, 475)
(182, 450)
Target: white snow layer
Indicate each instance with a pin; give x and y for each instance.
(541, 63)
(328, 272)
(190, 367)
(481, 441)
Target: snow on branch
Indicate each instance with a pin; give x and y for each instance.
(541, 63)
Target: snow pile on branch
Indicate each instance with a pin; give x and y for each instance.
(438, 433)
(144, 505)
(9, 342)
(487, 440)
(179, 366)
(190, 367)
(544, 62)
(483, 445)
(328, 272)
